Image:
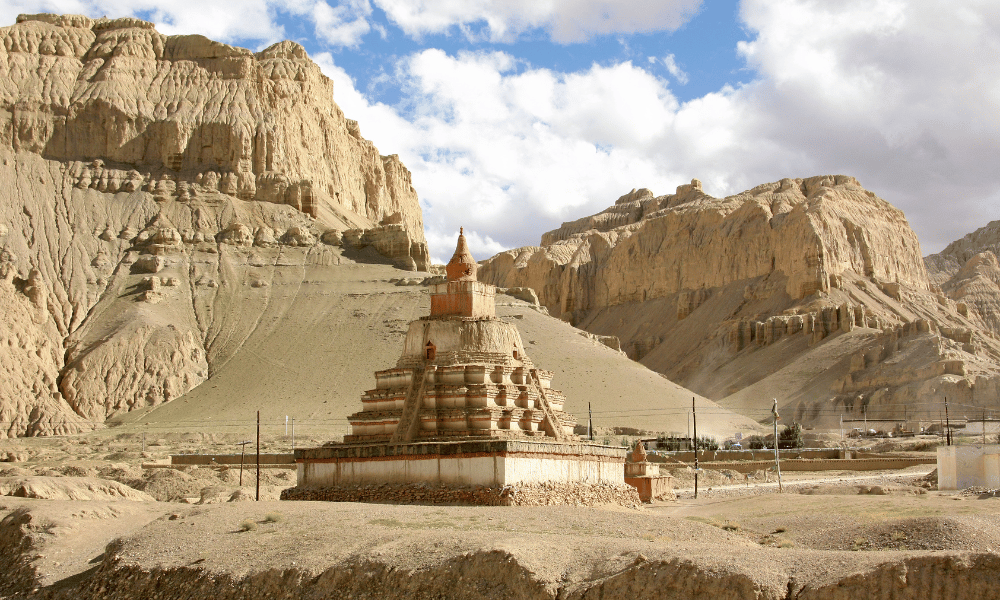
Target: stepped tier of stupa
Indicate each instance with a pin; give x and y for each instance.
(464, 373)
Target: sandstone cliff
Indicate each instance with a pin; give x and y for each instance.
(969, 273)
(812, 291)
(156, 193)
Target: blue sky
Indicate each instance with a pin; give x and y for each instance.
(516, 115)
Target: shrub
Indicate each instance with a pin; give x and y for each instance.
(670, 443)
(707, 443)
(791, 437)
(757, 442)
(248, 525)
(273, 517)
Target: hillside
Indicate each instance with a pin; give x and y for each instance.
(812, 291)
(318, 346)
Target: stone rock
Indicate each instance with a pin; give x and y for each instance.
(148, 263)
(332, 238)
(521, 293)
(237, 234)
(299, 236)
(264, 237)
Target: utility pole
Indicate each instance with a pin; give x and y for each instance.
(777, 462)
(243, 449)
(694, 417)
(689, 431)
(258, 456)
(293, 433)
(947, 423)
(590, 423)
(841, 426)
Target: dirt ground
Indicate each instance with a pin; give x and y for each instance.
(187, 530)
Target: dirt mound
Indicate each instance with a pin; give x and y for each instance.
(170, 485)
(874, 490)
(69, 488)
(684, 477)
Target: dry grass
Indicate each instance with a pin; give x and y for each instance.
(247, 525)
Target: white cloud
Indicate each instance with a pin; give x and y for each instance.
(671, 64)
(566, 21)
(343, 24)
(215, 19)
(509, 152)
(900, 94)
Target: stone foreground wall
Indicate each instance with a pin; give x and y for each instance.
(539, 494)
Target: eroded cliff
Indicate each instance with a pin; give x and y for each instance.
(153, 192)
(812, 291)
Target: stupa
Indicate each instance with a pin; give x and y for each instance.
(464, 406)
(463, 374)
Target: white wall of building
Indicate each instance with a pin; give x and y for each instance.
(960, 467)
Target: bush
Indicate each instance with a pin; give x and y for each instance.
(791, 437)
(707, 443)
(273, 517)
(757, 442)
(671, 443)
(248, 525)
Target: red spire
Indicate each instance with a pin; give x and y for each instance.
(462, 267)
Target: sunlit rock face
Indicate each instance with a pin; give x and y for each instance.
(810, 290)
(156, 194)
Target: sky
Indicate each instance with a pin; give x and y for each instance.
(517, 115)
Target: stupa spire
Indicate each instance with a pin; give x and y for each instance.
(462, 267)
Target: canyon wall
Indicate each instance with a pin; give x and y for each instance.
(769, 294)
(154, 191)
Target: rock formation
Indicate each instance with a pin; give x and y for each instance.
(767, 294)
(968, 272)
(152, 189)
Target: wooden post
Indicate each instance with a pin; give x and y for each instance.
(590, 422)
(777, 461)
(947, 423)
(694, 419)
(258, 456)
(243, 450)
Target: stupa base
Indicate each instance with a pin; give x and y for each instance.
(532, 494)
(489, 463)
